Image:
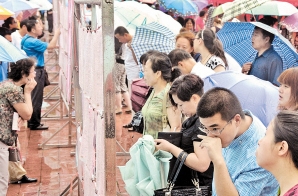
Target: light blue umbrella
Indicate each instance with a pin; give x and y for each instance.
(236, 39)
(152, 36)
(143, 173)
(8, 52)
(180, 7)
(27, 7)
(258, 96)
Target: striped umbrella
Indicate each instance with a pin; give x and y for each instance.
(236, 39)
(239, 7)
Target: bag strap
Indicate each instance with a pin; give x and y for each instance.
(164, 107)
(22, 46)
(179, 163)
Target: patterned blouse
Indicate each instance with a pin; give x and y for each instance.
(215, 61)
(9, 95)
(152, 113)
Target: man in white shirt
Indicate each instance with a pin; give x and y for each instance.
(186, 63)
(18, 35)
(131, 64)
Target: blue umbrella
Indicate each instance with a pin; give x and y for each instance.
(258, 96)
(180, 7)
(8, 52)
(236, 39)
(152, 36)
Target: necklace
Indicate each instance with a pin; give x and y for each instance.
(206, 59)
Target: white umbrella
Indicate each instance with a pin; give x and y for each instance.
(131, 14)
(43, 4)
(276, 8)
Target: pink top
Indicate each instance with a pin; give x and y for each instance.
(292, 192)
(200, 23)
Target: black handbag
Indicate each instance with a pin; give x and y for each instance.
(172, 137)
(171, 190)
(46, 79)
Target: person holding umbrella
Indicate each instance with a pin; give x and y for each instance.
(267, 64)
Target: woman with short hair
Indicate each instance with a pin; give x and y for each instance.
(13, 98)
(288, 89)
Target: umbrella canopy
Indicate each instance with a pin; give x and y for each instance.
(180, 7)
(5, 13)
(43, 4)
(201, 4)
(131, 14)
(152, 37)
(148, 1)
(27, 7)
(239, 7)
(258, 96)
(145, 171)
(221, 9)
(236, 39)
(291, 22)
(278, 8)
(8, 52)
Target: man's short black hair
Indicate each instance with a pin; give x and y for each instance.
(266, 34)
(202, 13)
(31, 24)
(178, 55)
(219, 100)
(121, 31)
(23, 22)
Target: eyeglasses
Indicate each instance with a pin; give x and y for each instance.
(214, 131)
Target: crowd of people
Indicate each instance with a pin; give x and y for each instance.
(228, 146)
(21, 87)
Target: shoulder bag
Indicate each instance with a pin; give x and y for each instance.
(171, 190)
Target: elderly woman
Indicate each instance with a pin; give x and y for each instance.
(158, 73)
(14, 98)
(278, 151)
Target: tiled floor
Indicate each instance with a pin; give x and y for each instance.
(55, 168)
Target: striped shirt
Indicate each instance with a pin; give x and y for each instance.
(248, 177)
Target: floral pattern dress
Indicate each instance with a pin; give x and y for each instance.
(215, 61)
(9, 95)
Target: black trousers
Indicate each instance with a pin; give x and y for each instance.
(37, 98)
